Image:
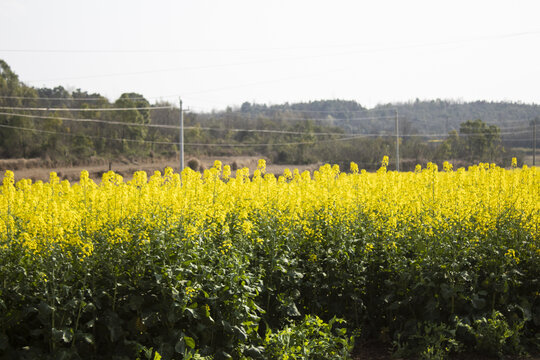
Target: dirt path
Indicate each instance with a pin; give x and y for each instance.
(39, 171)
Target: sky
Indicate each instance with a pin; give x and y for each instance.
(215, 53)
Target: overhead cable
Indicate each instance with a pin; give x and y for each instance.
(175, 127)
(90, 136)
(92, 120)
(59, 98)
(82, 98)
(84, 109)
(174, 143)
(317, 47)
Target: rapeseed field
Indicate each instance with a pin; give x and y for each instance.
(430, 262)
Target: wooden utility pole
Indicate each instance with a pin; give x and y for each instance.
(397, 141)
(534, 141)
(181, 137)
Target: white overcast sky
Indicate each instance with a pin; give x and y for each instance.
(215, 53)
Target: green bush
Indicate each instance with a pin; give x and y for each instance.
(310, 338)
(494, 336)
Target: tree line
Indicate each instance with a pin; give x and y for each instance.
(335, 131)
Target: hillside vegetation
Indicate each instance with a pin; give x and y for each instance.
(69, 131)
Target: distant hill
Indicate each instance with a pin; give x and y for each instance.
(434, 116)
(443, 115)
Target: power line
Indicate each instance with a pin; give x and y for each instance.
(350, 52)
(334, 111)
(173, 143)
(238, 114)
(509, 120)
(265, 131)
(263, 82)
(333, 46)
(265, 112)
(60, 98)
(286, 118)
(90, 120)
(276, 144)
(164, 126)
(520, 130)
(272, 112)
(349, 137)
(90, 136)
(462, 135)
(85, 109)
(176, 69)
(356, 136)
(175, 127)
(80, 99)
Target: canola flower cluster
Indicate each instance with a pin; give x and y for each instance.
(41, 215)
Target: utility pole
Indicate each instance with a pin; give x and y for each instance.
(397, 142)
(181, 137)
(534, 141)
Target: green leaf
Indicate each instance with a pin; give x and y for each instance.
(189, 342)
(193, 306)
